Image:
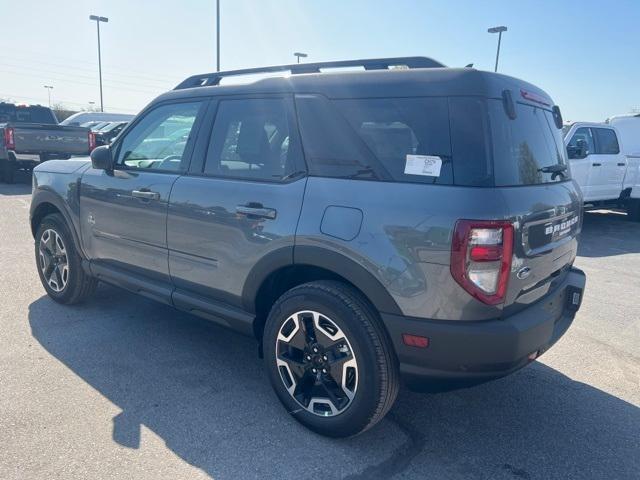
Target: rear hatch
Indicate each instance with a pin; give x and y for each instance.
(35, 138)
(544, 205)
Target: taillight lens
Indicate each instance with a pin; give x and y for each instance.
(92, 141)
(9, 138)
(481, 258)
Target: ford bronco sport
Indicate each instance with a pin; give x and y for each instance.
(414, 223)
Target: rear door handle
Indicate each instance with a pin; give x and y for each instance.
(622, 164)
(256, 210)
(145, 194)
(596, 164)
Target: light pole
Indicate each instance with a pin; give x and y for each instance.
(98, 20)
(499, 31)
(217, 35)
(300, 55)
(49, 88)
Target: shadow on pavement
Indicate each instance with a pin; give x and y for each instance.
(606, 233)
(202, 390)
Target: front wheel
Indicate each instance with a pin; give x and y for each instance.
(59, 264)
(328, 359)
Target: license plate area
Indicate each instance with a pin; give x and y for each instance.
(573, 298)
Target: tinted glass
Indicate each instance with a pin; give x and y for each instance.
(11, 113)
(399, 130)
(159, 139)
(523, 147)
(344, 156)
(252, 139)
(607, 141)
(582, 142)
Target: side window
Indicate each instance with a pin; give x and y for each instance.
(253, 139)
(158, 141)
(607, 141)
(581, 144)
(396, 130)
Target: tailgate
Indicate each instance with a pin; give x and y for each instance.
(547, 220)
(58, 139)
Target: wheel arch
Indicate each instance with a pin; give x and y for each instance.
(44, 203)
(287, 268)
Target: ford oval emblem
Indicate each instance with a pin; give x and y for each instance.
(523, 273)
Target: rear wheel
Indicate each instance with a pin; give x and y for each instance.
(633, 210)
(328, 360)
(59, 264)
(7, 171)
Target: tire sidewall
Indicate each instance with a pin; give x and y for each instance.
(362, 408)
(56, 222)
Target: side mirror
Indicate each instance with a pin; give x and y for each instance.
(102, 159)
(579, 151)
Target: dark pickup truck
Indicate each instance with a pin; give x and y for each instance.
(30, 134)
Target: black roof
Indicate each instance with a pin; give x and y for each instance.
(423, 77)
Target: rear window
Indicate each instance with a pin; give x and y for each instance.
(14, 114)
(379, 138)
(524, 146)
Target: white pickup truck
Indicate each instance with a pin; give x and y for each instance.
(605, 161)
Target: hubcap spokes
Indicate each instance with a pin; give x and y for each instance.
(316, 363)
(54, 262)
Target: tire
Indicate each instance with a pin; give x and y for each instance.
(7, 171)
(352, 346)
(633, 210)
(58, 263)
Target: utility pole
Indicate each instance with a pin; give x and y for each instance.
(98, 20)
(499, 31)
(217, 35)
(49, 88)
(300, 55)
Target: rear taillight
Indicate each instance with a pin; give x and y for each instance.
(481, 258)
(9, 138)
(92, 141)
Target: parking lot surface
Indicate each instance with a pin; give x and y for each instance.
(122, 387)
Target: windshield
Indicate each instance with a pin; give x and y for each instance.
(528, 149)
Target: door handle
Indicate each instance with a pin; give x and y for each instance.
(622, 164)
(145, 194)
(256, 210)
(596, 164)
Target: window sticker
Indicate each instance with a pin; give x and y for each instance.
(425, 165)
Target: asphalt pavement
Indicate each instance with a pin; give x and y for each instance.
(122, 387)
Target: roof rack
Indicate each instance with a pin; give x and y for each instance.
(209, 79)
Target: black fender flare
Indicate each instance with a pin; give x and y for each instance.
(48, 196)
(329, 260)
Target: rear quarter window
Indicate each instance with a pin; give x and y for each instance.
(370, 138)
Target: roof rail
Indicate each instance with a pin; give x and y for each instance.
(209, 79)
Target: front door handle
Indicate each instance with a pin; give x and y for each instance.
(145, 194)
(256, 210)
(596, 164)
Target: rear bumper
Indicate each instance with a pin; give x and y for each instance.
(484, 350)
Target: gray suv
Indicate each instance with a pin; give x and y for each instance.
(400, 221)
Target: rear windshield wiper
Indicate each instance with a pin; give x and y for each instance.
(555, 170)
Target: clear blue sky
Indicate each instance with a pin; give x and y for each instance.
(585, 53)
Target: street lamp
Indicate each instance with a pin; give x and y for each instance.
(217, 35)
(98, 20)
(49, 88)
(300, 55)
(499, 31)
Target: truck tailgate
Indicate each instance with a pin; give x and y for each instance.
(45, 138)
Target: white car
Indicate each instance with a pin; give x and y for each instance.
(85, 117)
(607, 171)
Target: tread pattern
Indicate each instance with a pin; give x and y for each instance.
(387, 363)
